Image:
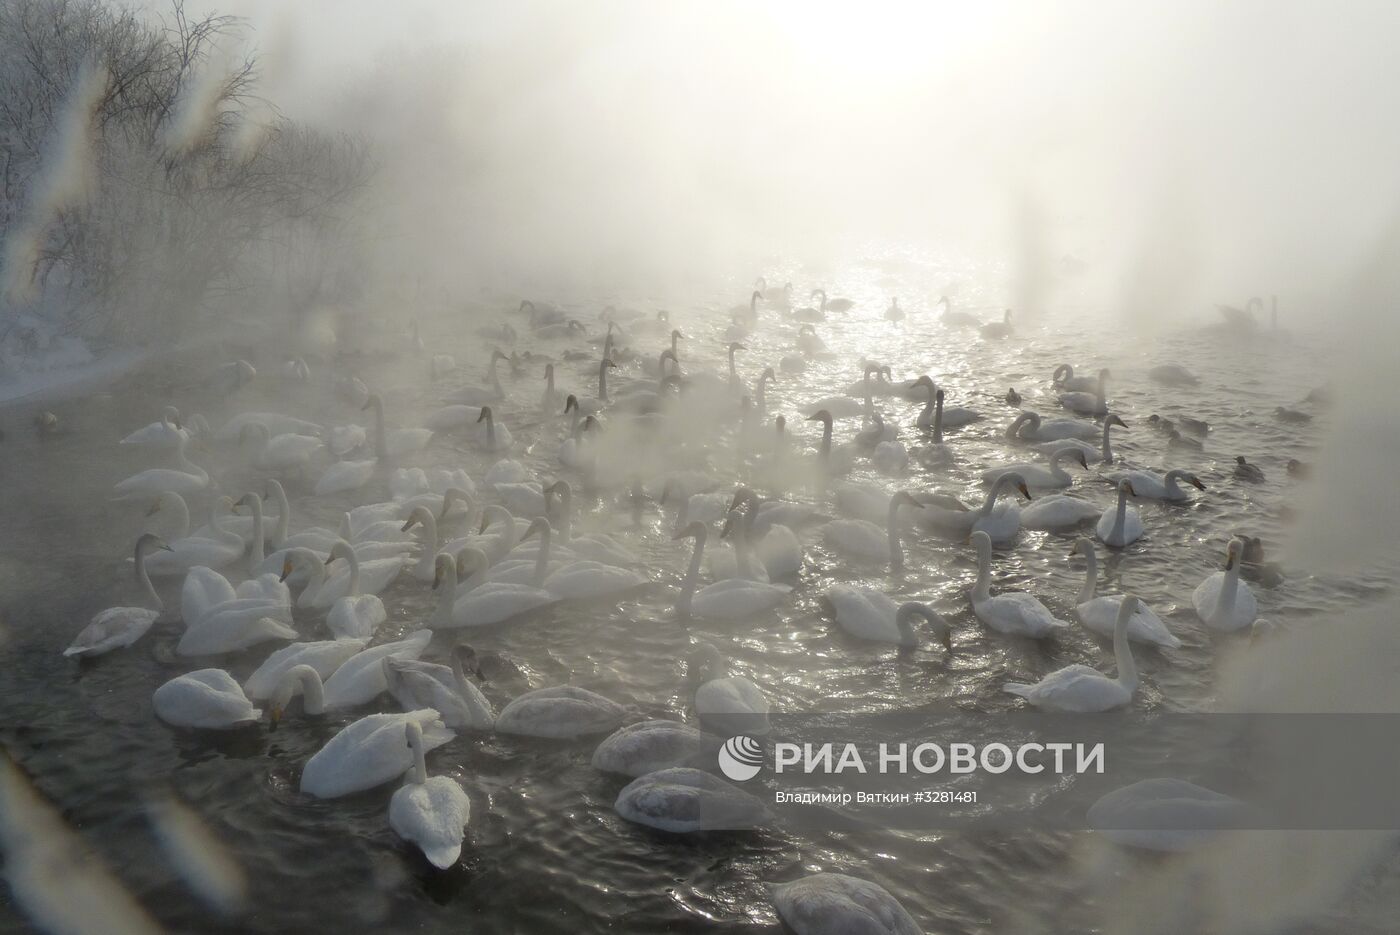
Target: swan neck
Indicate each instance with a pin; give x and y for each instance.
(603, 380)
(692, 576)
(313, 697)
(143, 578)
(256, 548)
(1091, 575)
(892, 528)
(448, 588)
(420, 760)
(1123, 654)
(430, 542)
(1173, 482)
(1120, 515)
(938, 421)
(542, 557)
(284, 517)
(381, 446)
(354, 562)
(983, 588)
(1107, 451)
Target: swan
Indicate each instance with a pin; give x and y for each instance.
(596, 547)
(417, 684)
(955, 319)
(862, 540)
(360, 679)
(185, 478)
(505, 471)
(832, 305)
(322, 657)
(447, 418)
(726, 704)
(1029, 426)
(477, 396)
(207, 698)
(729, 599)
(835, 904)
(222, 548)
(1169, 815)
(494, 438)
(999, 519)
(776, 545)
(1103, 453)
(809, 342)
(894, 313)
(276, 423)
(1058, 512)
(164, 433)
(430, 813)
(205, 591)
(352, 390)
(683, 800)
(1154, 486)
(344, 476)
(1093, 403)
(425, 568)
(117, 627)
(399, 442)
(870, 614)
(1013, 612)
(1173, 375)
(648, 746)
(876, 432)
(1098, 614)
(998, 329)
(236, 626)
(580, 579)
(1065, 380)
(299, 679)
(1223, 601)
(283, 452)
(562, 712)
(322, 591)
(952, 417)
(484, 604)
(832, 460)
(1038, 475)
(1080, 689)
(1120, 524)
(353, 616)
(369, 753)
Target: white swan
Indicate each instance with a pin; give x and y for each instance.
(205, 592)
(1058, 512)
(1156, 486)
(1064, 379)
(1223, 601)
(430, 813)
(117, 627)
(164, 433)
(1081, 689)
(648, 746)
(560, 713)
(185, 478)
(1099, 614)
(322, 591)
(1169, 815)
(399, 442)
(871, 614)
(832, 460)
(726, 704)
(836, 904)
(1120, 524)
(683, 800)
(998, 329)
(1088, 403)
(299, 679)
(1014, 612)
(360, 679)
(774, 544)
(1039, 475)
(494, 437)
(283, 452)
(832, 305)
(952, 416)
(353, 616)
(999, 519)
(1173, 375)
(276, 423)
(1029, 426)
(207, 698)
(482, 395)
(223, 548)
(369, 753)
(1103, 453)
(597, 547)
(864, 541)
(484, 604)
(322, 657)
(343, 476)
(729, 599)
(417, 684)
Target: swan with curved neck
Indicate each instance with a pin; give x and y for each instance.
(1097, 612)
(1119, 525)
(303, 680)
(1082, 689)
(116, 627)
(730, 598)
(185, 478)
(1013, 612)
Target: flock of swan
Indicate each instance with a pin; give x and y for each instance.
(638, 432)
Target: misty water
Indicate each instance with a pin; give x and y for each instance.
(545, 851)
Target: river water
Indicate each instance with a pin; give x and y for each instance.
(545, 851)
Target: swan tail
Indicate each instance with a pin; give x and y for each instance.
(1018, 688)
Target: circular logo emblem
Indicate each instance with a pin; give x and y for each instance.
(741, 758)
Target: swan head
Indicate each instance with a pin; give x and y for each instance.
(570, 404)
(441, 565)
(911, 609)
(744, 494)
(924, 380)
(822, 416)
(527, 305)
(485, 415)
(1126, 487)
(733, 523)
(982, 541)
(1233, 551)
(904, 498)
(1017, 482)
(1062, 373)
(756, 297)
(341, 549)
(373, 402)
(1195, 481)
(735, 346)
(1082, 546)
(465, 657)
(150, 542)
(420, 515)
(767, 374)
(1126, 608)
(1112, 419)
(454, 495)
(252, 501)
(469, 561)
(607, 364)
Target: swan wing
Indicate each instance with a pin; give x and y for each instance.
(111, 629)
(207, 698)
(831, 903)
(432, 815)
(361, 677)
(369, 753)
(325, 656)
(203, 589)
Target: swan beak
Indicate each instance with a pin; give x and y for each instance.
(947, 639)
(437, 578)
(286, 570)
(1229, 562)
(483, 526)
(410, 522)
(165, 548)
(273, 717)
(1024, 491)
(1131, 491)
(1196, 482)
(155, 508)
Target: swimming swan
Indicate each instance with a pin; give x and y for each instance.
(185, 478)
(729, 599)
(353, 616)
(1223, 601)
(417, 684)
(864, 541)
(1120, 524)
(1099, 614)
(648, 746)
(871, 614)
(116, 627)
(1154, 486)
(430, 813)
(1013, 612)
(835, 904)
(369, 753)
(1081, 689)
(360, 679)
(207, 698)
(726, 704)
(682, 800)
(1038, 475)
(560, 713)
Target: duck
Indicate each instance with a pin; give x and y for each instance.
(1015, 613)
(444, 688)
(894, 313)
(1098, 613)
(647, 746)
(730, 599)
(1013, 398)
(1081, 689)
(834, 904)
(1284, 414)
(862, 540)
(208, 699)
(1222, 601)
(1120, 525)
(370, 752)
(1039, 475)
(1246, 471)
(1299, 469)
(360, 679)
(119, 627)
(870, 614)
(725, 704)
(1153, 486)
(682, 800)
(563, 712)
(430, 813)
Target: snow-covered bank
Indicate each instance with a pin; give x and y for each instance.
(58, 382)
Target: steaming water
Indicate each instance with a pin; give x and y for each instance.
(545, 851)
